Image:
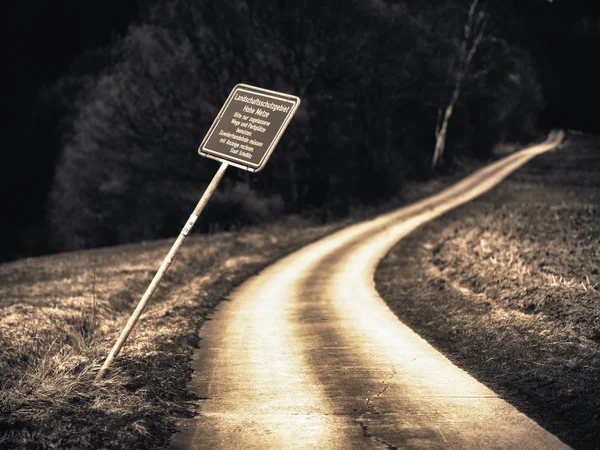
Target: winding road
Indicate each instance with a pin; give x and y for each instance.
(307, 355)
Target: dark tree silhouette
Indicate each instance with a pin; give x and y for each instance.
(372, 76)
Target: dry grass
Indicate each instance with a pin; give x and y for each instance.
(508, 287)
(61, 314)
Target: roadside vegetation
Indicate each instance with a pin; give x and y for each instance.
(384, 86)
(61, 314)
(508, 287)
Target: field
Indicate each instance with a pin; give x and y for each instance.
(61, 314)
(508, 287)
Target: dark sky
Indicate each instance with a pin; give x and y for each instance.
(46, 36)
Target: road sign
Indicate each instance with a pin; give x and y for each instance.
(248, 127)
(244, 135)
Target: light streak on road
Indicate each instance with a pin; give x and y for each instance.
(307, 355)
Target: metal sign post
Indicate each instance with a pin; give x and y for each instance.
(243, 135)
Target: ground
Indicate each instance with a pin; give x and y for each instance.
(61, 314)
(508, 287)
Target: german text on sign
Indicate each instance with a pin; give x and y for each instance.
(249, 126)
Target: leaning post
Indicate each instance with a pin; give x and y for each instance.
(243, 135)
(161, 271)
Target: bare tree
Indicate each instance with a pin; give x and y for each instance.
(474, 33)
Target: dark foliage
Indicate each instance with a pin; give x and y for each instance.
(372, 76)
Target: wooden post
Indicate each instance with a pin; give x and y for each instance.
(161, 271)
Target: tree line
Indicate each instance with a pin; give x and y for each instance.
(391, 91)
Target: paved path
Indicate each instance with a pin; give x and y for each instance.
(307, 355)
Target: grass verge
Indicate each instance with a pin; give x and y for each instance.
(508, 287)
(61, 314)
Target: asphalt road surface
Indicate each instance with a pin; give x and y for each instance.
(307, 355)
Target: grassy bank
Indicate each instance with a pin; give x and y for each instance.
(508, 287)
(61, 314)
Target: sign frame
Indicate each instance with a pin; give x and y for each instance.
(238, 162)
